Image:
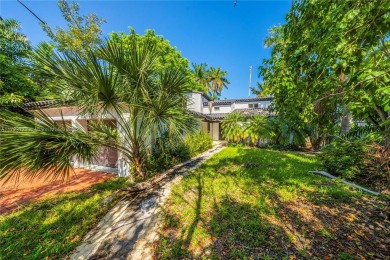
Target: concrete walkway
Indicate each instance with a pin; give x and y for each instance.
(129, 229)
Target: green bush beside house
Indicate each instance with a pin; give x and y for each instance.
(168, 152)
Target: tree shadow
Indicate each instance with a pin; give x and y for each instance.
(180, 248)
(282, 211)
(53, 227)
(23, 193)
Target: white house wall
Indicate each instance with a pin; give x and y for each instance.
(233, 106)
(72, 115)
(262, 104)
(195, 102)
(222, 109)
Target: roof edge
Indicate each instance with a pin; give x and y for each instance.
(45, 104)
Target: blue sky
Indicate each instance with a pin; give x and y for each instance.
(214, 32)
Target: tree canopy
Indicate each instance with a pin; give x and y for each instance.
(169, 56)
(82, 32)
(329, 56)
(212, 79)
(16, 86)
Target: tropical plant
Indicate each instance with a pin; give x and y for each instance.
(34, 147)
(200, 72)
(258, 128)
(338, 61)
(233, 127)
(350, 158)
(124, 84)
(217, 81)
(198, 142)
(284, 133)
(167, 152)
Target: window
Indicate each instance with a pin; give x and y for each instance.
(216, 108)
(253, 105)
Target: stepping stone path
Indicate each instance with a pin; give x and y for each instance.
(131, 227)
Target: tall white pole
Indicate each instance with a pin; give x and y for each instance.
(250, 81)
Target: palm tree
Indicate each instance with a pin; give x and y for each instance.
(37, 147)
(124, 84)
(233, 127)
(286, 133)
(258, 127)
(200, 73)
(217, 81)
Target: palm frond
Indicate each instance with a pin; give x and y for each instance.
(40, 147)
(360, 131)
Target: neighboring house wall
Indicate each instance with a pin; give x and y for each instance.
(261, 104)
(222, 109)
(196, 100)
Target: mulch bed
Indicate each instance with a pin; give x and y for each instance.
(359, 228)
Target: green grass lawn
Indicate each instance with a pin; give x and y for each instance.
(252, 203)
(54, 227)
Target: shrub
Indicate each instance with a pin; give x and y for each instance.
(198, 143)
(362, 158)
(344, 158)
(167, 153)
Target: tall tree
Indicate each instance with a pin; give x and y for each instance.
(217, 81)
(16, 86)
(169, 57)
(201, 75)
(330, 55)
(82, 32)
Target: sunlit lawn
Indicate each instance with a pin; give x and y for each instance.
(254, 203)
(54, 227)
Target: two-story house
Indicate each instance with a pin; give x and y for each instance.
(212, 112)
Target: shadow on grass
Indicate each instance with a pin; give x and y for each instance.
(13, 197)
(54, 227)
(247, 203)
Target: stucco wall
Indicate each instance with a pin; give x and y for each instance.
(195, 102)
(108, 157)
(222, 109)
(262, 104)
